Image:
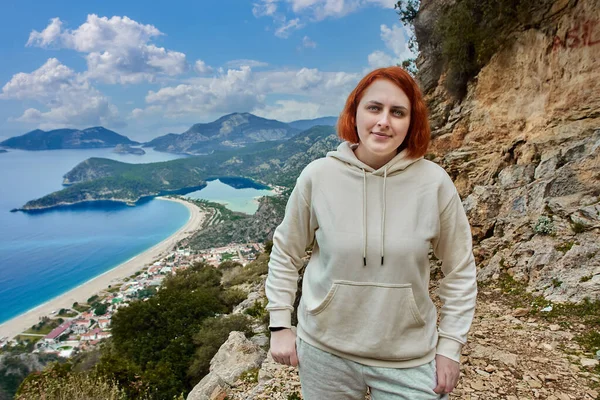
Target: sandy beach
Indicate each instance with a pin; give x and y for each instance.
(84, 291)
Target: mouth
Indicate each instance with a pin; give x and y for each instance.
(379, 134)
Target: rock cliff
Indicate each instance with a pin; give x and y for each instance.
(522, 147)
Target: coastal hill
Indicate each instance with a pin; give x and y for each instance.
(230, 131)
(273, 162)
(90, 138)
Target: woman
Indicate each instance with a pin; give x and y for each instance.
(373, 209)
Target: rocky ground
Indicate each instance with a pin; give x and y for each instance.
(513, 353)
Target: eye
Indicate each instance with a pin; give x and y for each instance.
(398, 113)
(372, 108)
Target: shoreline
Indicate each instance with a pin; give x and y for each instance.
(115, 275)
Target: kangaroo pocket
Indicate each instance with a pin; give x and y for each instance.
(370, 320)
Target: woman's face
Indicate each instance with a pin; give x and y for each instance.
(382, 120)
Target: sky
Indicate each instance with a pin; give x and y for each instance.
(144, 69)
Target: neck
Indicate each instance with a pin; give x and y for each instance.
(372, 160)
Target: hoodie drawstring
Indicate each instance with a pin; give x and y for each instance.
(365, 216)
(383, 216)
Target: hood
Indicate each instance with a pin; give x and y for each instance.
(400, 162)
(345, 153)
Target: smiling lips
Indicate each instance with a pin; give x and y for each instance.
(379, 134)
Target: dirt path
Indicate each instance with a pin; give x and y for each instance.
(510, 355)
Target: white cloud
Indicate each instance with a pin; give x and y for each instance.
(266, 8)
(118, 49)
(201, 67)
(225, 93)
(379, 59)
(47, 36)
(247, 63)
(246, 90)
(290, 110)
(308, 43)
(68, 96)
(314, 10)
(286, 27)
(396, 40)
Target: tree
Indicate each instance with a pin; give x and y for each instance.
(154, 337)
(101, 309)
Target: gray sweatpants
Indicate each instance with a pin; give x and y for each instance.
(327, 376)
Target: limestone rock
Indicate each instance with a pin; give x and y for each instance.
(234, 357)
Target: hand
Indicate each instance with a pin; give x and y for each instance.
(447, 371)
(283, 347)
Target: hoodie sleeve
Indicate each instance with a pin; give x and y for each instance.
(291, 238)
(458, 288)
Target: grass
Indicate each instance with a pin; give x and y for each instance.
(82, 307)
(44, 328)
(67, 313)
(250, 376)
(586, 312)
(28, 338)
(565, 246)
(227, 256)
(114, 289)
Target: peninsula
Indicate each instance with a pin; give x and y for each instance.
(275, 162)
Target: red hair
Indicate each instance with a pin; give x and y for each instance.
(418, 136)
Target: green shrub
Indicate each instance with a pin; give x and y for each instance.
(232, 297)
(58, 382)
(228, 264)
(252, 272)
(556, 282)
(578, 227)
(544, 226)
(257, 310)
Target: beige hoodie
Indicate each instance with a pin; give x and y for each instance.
(365, 291)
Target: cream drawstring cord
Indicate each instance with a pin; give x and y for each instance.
(383, 216)
(364, 218)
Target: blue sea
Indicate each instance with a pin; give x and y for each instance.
(43, 255)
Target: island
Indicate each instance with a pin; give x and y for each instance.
(127, 149)
(57, 139)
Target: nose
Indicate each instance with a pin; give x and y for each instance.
(384, 121)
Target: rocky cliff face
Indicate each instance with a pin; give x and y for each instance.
(523, 149)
